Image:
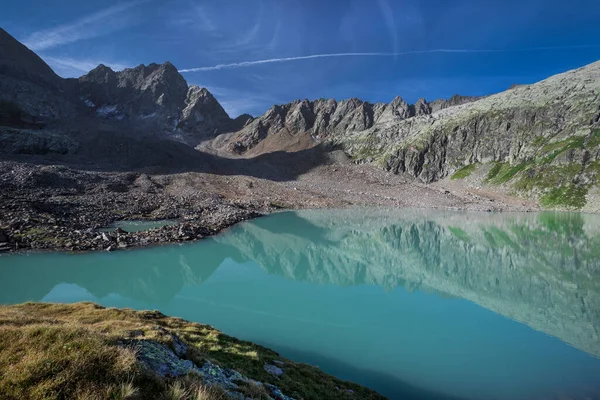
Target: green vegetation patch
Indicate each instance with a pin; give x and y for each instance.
(546, 177)
(503, 172)
(549, 152)
(494, 171)
(464, 171)
(594, 140)
(557, 184)
(570, 196)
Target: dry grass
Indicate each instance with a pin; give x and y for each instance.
(190, 389)
(75, 351)
(124, 391)
(45, 360)
(255, 391)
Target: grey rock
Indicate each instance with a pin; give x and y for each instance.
(35, 142)
(273, 370)
(455, 100)
(162, 360)
(29, 83)
(202, 116)
(324, 119)
(276, 393)
(224, 377)
(178, 345)
(421, 108)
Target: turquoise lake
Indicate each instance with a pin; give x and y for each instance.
(415, 304)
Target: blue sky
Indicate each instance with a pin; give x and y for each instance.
(487, 44)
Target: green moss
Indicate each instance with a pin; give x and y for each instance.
(547, 177)
(364, 153)
(538, 141)
(553, 150)
(570, 197)
(494, 171)
(503, 172)
(459, 233)
(593, 169)
(594, 139)
(464, 172)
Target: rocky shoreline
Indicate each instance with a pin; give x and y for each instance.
(61, 209)
(67, 208)
(38, 233)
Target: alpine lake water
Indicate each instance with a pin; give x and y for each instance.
(415, 304)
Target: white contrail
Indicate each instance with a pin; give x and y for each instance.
(404, 53)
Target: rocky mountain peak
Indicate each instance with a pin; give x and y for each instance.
(17, 61)
(29, 85)
(100, 74)
(202, 115)
(421, 107)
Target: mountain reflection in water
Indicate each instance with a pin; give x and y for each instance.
(292, 279)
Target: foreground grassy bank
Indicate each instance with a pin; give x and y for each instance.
(85, 351)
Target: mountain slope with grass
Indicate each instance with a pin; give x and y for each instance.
(540, 141)
(85, 351)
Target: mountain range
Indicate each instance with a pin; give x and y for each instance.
(540, 141)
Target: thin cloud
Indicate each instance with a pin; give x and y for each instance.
(237, 102)
(97, 24)
(204, 21)
(390, 22)
(71, 67)
(405, 53)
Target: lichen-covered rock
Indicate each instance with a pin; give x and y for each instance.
(161, 360)
(164, 362)
(178, 345)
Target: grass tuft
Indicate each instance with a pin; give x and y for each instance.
(176, 391)
(124, 391)
(464, 172)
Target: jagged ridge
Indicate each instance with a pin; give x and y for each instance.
(325, 118)
(155, 96)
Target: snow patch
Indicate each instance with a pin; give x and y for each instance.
(107, 110)
(146, 116)
(88, 102)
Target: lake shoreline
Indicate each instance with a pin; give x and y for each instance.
(151, 353)
(61, 208)
(44, 238)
